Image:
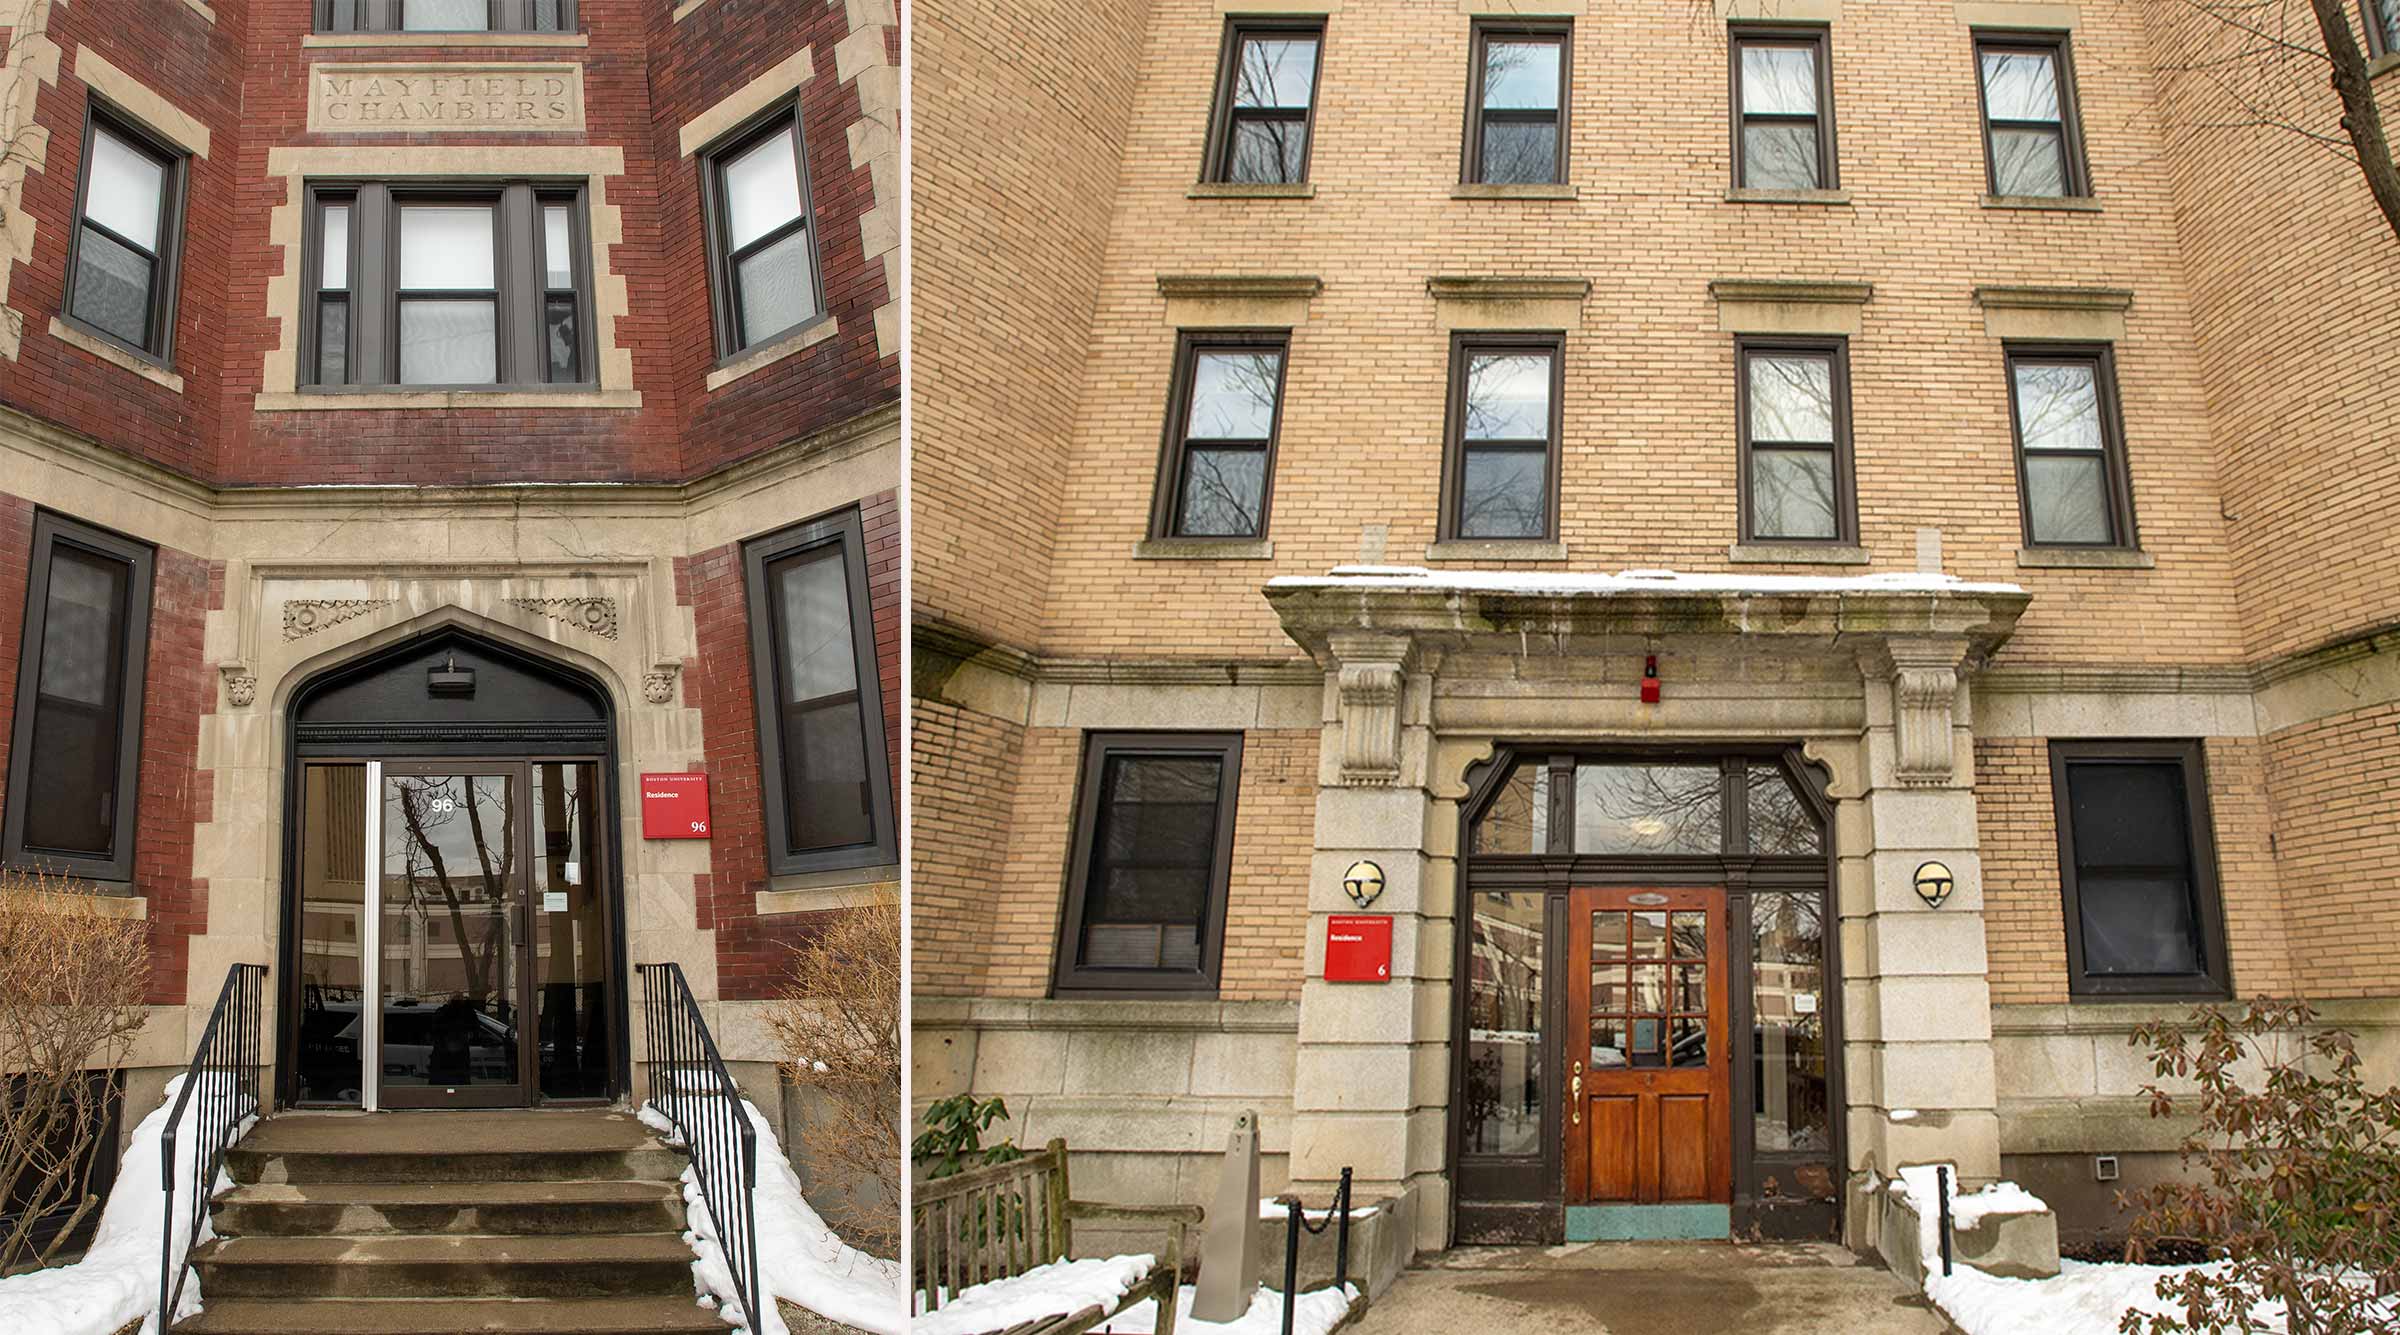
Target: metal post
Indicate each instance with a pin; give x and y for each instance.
(370, 949)
(1341, 1249)
(1941, 1178)
(1291, 1259)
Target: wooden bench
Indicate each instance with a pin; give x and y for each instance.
(993, 1224)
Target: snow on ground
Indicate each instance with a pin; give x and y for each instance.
(1315, 1313)
(800, 1260)
(117, 1280)
(2084, 1299)
(1044, 1291)
(1627, 581)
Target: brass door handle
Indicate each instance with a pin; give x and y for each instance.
(1575, 1098)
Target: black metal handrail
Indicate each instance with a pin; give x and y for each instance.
(224, 1080)
(689, 1086)
(1296, 1219)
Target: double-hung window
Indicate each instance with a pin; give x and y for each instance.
(2383, 27)
(1783, 109)
(2070, 451)
(445, 15)
(1501, 478)
(121, 274)
(1517, 104)
(2137, 865)
(1266, 102)
(1151, 863)
(2032, 136)
(447, 286)
(75, 748)
(1223, 415)
(761, 241)
(827, 775)
(1795, 441)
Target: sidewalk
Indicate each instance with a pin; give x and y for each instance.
(1643, 1288)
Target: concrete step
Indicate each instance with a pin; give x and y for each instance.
(447, 1266)
(455, 1316)
(323, 1209)
(516, 1145)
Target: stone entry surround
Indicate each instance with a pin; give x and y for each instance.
(1425, 674)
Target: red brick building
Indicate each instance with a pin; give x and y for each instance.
(418, 422)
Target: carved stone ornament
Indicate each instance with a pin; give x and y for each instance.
(597, 615)
(241, 688)
(1924, 701)
(658, 685)
(303, 617)
(1369, 682)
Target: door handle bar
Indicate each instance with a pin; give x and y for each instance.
(1575, 1099)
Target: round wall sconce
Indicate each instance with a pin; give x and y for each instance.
(1934, 884)
(1363, 883)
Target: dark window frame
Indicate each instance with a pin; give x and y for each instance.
(521, 361)
(1819, 38)
(1552, 344)
(2377, 47)
(1845, 463)
(2215, 980)
(1069, 978)
(1480, 34)
(51, 530)
(2117, 473)
(844, 527)
(1166, 506)
(2059, 47)
(715, 214)
(158, 344)
(387, 16)
(1217, 163)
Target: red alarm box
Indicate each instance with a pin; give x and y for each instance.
(1358, 948)
(674, 806)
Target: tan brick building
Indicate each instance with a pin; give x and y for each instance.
(1312, 399)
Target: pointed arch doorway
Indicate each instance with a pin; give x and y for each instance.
(453, 926)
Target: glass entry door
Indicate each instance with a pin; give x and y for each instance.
(1649, 1111)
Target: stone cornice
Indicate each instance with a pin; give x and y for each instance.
(1463, 288)
(2054, 298)
(1239, 286)
(1790, 291)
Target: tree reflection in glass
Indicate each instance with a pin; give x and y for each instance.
(1503, 1113)
(1792, 487)
(1226, 434)
(1505, 472)
(1654, 809)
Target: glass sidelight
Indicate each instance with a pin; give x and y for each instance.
(570, 933)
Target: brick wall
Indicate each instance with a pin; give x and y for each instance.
(2336, 785)
(179, 688)
(962, 782)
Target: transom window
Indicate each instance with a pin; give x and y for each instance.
(447, 288)
(1504, 429)
(1266, 102)
(1649, 808)
(762, 250)
(445, 15)
(76, 742)
(2033, 142)
(1795, 441)
(2071, 460)
(121, 275)
(1222, 418)
(1152, 862)
(1517, 105)
(1783, 137)
(2137, 862)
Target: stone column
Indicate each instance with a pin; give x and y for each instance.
(1371, 1075)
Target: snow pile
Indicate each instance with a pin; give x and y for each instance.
(800, 1260)
(1627, 581)
(1270, 1207)
(1920, 1188)
(2083, 1299)
(1315, 1313)
(117, 1280)
(1044, 1291)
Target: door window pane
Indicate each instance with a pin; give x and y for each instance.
(127, 189)
(762, 189)
(70, 792)
(1153, 859)
(1504, 1025)
(1633, 808)
(1787, 945)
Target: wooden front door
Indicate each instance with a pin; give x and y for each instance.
(1649, 1116)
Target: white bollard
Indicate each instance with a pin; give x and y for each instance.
(1229, 1249)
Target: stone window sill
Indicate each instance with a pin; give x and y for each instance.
(2044, 203)
(1742, 195)
(1204, 549)
(1496, 550)
(2083, 558)
(1515, 192)
(2382, 65)
(446, 400)
(452, 39)
(114, 355)
(811, 892)
(1795, 554)
(751, 360)
(1252, 190)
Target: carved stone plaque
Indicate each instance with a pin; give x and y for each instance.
(358, 98)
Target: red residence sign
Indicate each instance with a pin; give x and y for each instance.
(1358, 948)
(674, 806)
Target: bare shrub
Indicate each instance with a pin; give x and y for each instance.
(71, 988)
(837, 1024)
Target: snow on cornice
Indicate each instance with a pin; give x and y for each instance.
(1571, 584)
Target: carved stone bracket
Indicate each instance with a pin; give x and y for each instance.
(241, 685)
(1369, 681)
(658, 684)
(303, 617)
(597, 615)
(1924, 707)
